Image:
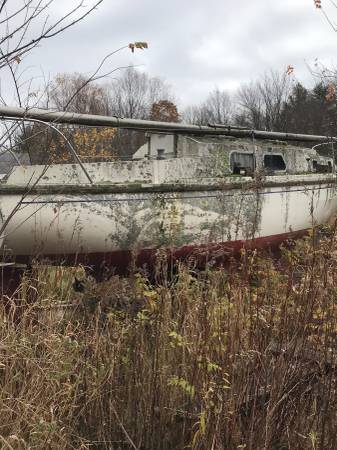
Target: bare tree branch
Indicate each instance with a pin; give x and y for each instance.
(32, 14)
(16, 12)
(94, 76)
(3, 4)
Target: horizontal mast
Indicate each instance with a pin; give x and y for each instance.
(49, 116)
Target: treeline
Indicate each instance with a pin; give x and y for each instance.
(275, 102)
(134, 95)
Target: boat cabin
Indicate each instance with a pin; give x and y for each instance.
(169, 158)
(232, 156)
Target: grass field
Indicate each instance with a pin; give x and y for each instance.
(242, 357)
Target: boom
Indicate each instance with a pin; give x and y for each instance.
(46, 115)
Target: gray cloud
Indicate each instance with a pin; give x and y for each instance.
(196, 45)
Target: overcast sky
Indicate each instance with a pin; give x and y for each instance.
(195, 45)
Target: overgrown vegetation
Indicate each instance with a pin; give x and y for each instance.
(241, 357)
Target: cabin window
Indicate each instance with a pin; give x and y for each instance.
(274, 162)
(321, 168)
(242, 162)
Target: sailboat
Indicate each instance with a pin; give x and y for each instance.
(190, 191)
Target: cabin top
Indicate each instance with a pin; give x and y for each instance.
(185, 159)
(239, 156)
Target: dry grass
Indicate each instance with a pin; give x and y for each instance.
(235, 358)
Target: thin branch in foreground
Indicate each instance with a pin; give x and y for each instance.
(95, 76)
(46, 32)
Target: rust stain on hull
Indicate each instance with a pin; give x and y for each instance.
(120, 262)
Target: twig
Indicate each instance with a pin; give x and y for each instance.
(133, 445)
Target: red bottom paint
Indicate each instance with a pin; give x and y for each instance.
(121, 261)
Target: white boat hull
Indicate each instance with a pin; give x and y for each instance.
(98, 227)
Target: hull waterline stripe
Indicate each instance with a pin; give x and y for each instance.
(120, 259)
